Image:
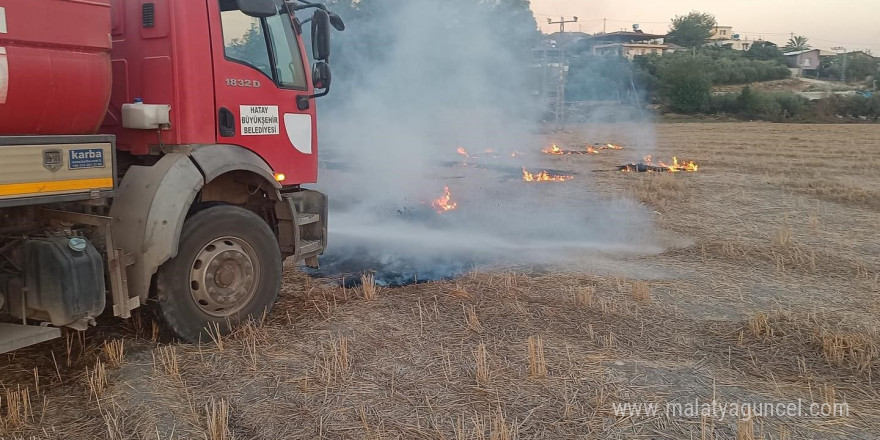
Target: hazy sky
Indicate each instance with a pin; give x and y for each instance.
(853, 24)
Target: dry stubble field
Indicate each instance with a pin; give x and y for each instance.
(771, 296)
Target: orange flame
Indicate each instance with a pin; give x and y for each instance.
(543, 176)
(445, 203)
(462, 152)
(676, 167)
(684, 166)
(591, 150)
(612, 147)
(553, 150)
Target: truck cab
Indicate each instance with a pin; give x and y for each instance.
(231, 79)
(179, 180)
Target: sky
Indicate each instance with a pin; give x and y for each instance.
(852, 24)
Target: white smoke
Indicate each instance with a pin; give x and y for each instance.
(443, 79)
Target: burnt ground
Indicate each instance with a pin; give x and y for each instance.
(768, 292)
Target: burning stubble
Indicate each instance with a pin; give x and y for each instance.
(589, 149)
(544, 176)
(648, 166)
(444, 88)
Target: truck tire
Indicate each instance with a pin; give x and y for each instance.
(227, 270)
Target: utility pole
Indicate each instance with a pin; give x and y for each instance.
(561, 74)
(562, 22)
(604, 25)
(843, 68)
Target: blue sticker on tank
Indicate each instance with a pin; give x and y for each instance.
(86, 158)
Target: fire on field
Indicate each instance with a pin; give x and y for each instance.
(648, 166)
(767, 292)
(588, 149)
(544, 176)
(444, 203)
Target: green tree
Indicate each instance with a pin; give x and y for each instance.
(685, 85)
(516, 23)
(765, 51)
(692, 30)
(747, 101)
(600, 78)
(859, 66)
(721, 65)
(796, 43)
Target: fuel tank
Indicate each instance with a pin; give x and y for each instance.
(55, 71)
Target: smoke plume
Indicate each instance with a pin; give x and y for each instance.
(414, 81)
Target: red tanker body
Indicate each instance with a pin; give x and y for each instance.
(55, 75)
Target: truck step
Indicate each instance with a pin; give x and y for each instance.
(307, 247)
(308, 219)
(15, 336)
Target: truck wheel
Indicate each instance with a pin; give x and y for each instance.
(227, 269)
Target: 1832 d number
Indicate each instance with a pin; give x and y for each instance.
(233, 82)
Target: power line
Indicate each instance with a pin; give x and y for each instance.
(844, 42)
(603, 19)
(764, 33)
(640, 21)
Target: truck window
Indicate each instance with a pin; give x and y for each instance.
(268, 45)
(244, 41)
(288, 58)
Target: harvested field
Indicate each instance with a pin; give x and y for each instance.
(768, 293)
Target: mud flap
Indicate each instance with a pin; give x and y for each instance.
(148, 214)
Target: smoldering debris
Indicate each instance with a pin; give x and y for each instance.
(495, 222)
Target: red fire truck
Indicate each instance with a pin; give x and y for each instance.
(155, 150)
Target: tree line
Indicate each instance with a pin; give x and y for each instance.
(683, 81)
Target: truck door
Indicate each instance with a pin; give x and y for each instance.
(259, 71)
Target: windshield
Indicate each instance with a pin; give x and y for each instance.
(268, 45)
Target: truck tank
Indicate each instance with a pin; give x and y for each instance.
(55, 70)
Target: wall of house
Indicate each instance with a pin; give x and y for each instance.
(636, 50)
(805, 61)
(809, 60)
(630, 51)
(722, 33)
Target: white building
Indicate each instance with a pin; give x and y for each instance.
(725, 36)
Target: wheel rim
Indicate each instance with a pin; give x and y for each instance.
(224, 276)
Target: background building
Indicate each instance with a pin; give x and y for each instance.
(805, 61)
(625, 44)
(724, 36)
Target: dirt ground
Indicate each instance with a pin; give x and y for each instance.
(792, 85)
(768, 294)
(787, 85)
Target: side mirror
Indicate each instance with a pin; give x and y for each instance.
(337, 22)
(257, 8)
(321, 35)
(321, 76)
(321, 80)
